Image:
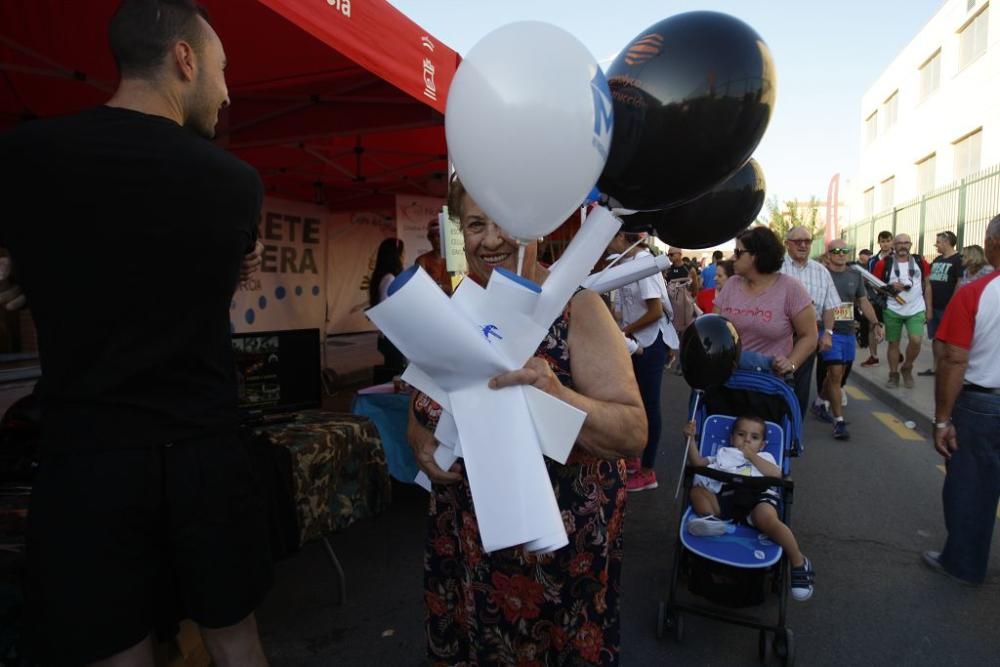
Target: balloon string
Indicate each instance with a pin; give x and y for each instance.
(521, 247)
(687, 443)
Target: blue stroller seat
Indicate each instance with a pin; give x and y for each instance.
(745, 546)
(736, 570)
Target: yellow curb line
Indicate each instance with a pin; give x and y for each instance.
(897, 427)
(856, 393)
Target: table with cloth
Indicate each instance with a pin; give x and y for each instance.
(336, 469)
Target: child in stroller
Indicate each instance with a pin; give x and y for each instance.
(718, 504)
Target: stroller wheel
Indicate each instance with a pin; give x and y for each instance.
(784, 646)
(762, 646)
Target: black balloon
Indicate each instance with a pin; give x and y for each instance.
(692, 97)
(717, 216)
(710, 351)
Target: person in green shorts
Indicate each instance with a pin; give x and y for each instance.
(909, 275)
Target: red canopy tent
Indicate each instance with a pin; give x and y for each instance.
(334, 102)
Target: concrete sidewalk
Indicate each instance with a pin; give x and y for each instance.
(916, 404)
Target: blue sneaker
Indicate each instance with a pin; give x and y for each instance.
(822, 413)
(840, 431)
(802, 581)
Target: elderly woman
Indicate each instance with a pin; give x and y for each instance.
(773, 312)
(511, 607)
(974, 264)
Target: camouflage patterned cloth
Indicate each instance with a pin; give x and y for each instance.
(338, 467)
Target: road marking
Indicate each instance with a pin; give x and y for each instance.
(897, 427)
(945, 472)
(856, 393)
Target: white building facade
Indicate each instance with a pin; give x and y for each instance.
(930, 124)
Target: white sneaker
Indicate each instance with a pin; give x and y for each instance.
(707, 526)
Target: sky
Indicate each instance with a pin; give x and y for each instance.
(826, 55)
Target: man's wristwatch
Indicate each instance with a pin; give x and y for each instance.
(942, 424)
(828, 332)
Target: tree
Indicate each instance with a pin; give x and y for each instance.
(793, 214)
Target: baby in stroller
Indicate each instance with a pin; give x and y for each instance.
(718, 504)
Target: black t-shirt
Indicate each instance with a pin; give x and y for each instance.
(127, 232)
(677, 272)
(945, 272)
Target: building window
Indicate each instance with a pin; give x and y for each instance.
(972, 38)
(887, 193)
(967, 154)
(869, 202)
(930, 75)
(925, 174)
(890, 108)
(871, 127)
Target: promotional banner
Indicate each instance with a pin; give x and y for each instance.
(289, 289)
(413, 215)
(353, 240)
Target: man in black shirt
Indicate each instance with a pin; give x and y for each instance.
(680, 270)
(144, 501)
(946, 269)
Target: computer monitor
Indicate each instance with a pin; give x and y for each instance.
(278, 371)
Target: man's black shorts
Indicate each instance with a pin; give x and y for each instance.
(121, 541)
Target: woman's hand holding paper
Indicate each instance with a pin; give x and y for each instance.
(423, 444)
(536, 373)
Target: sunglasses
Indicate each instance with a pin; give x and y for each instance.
(739, 252)
(800, 241)
(839, 251)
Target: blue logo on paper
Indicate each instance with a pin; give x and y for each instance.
(491, 330)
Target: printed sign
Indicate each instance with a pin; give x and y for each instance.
(289, 289)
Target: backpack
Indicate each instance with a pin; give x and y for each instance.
(914, 262)
(879, 298)
(682, 303)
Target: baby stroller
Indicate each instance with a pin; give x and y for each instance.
(739, 569)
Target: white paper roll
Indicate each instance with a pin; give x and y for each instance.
(624, 274)
(509, 291)
(575, 264)
(511, 489)
(420, 320)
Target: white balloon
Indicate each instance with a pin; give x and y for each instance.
(528, 122)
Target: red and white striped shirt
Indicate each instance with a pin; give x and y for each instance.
(972, 322)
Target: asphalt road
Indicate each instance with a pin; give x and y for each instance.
(864, 511)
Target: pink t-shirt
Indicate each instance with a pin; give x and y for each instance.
(764, 320)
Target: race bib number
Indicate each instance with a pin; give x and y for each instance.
(844, 312)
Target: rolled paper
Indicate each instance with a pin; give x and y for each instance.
(416, 377)
(557, 423)
(575, 264)
(511, 489)
(509, 290)
(624, 274)
(548, 544)
(512, 335)
(447, 347)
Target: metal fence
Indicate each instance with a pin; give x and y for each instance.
(964, 207)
